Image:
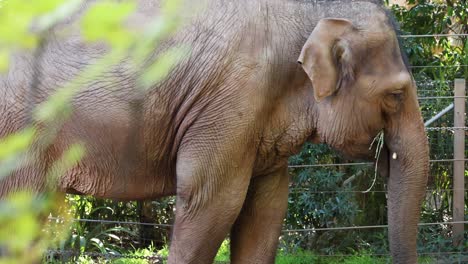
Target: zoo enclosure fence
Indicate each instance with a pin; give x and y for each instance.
(459, 131)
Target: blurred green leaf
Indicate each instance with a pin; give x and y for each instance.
(15, 143)
(162, 67)
(57, 106)
(4, 60)
(68, 160)
(104, 22)
(18, 213)
(171, 7)
(58, 14)
(73, 155)
(16, 17)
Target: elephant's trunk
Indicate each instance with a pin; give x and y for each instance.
(408, 168)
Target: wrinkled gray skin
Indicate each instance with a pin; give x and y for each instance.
(219, 130)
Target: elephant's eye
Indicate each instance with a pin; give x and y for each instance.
(392, 100)
(397, 95)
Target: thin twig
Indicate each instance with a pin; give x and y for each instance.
(380, 143)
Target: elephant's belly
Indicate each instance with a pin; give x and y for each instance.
(120, 162)
(134, 184)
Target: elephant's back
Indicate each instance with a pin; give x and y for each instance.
(132, 139)
(104, 119)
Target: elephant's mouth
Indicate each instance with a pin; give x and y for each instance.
(371, 150)
(357, 152)
(366, 150)
(357, 147)
(383, 162)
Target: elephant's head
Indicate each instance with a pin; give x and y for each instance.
(361, 87)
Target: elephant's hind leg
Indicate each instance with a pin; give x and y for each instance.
(254, 237)
(211, 189)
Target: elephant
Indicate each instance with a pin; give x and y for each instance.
(260, 79)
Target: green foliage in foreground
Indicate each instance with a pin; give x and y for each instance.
(23, 216)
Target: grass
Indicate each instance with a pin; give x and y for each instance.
(298, 257)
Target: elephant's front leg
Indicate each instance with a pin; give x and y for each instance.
(211, 188)
(254, 237)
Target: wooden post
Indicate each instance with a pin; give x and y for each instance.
(459, 163)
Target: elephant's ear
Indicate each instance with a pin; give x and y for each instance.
(326, 56)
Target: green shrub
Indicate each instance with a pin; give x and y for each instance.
(298, 257)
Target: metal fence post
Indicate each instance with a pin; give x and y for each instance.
(459, 163)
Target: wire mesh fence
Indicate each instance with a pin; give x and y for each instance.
(440, 137)
(306, 235)
(433, 97)
(167, 226)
